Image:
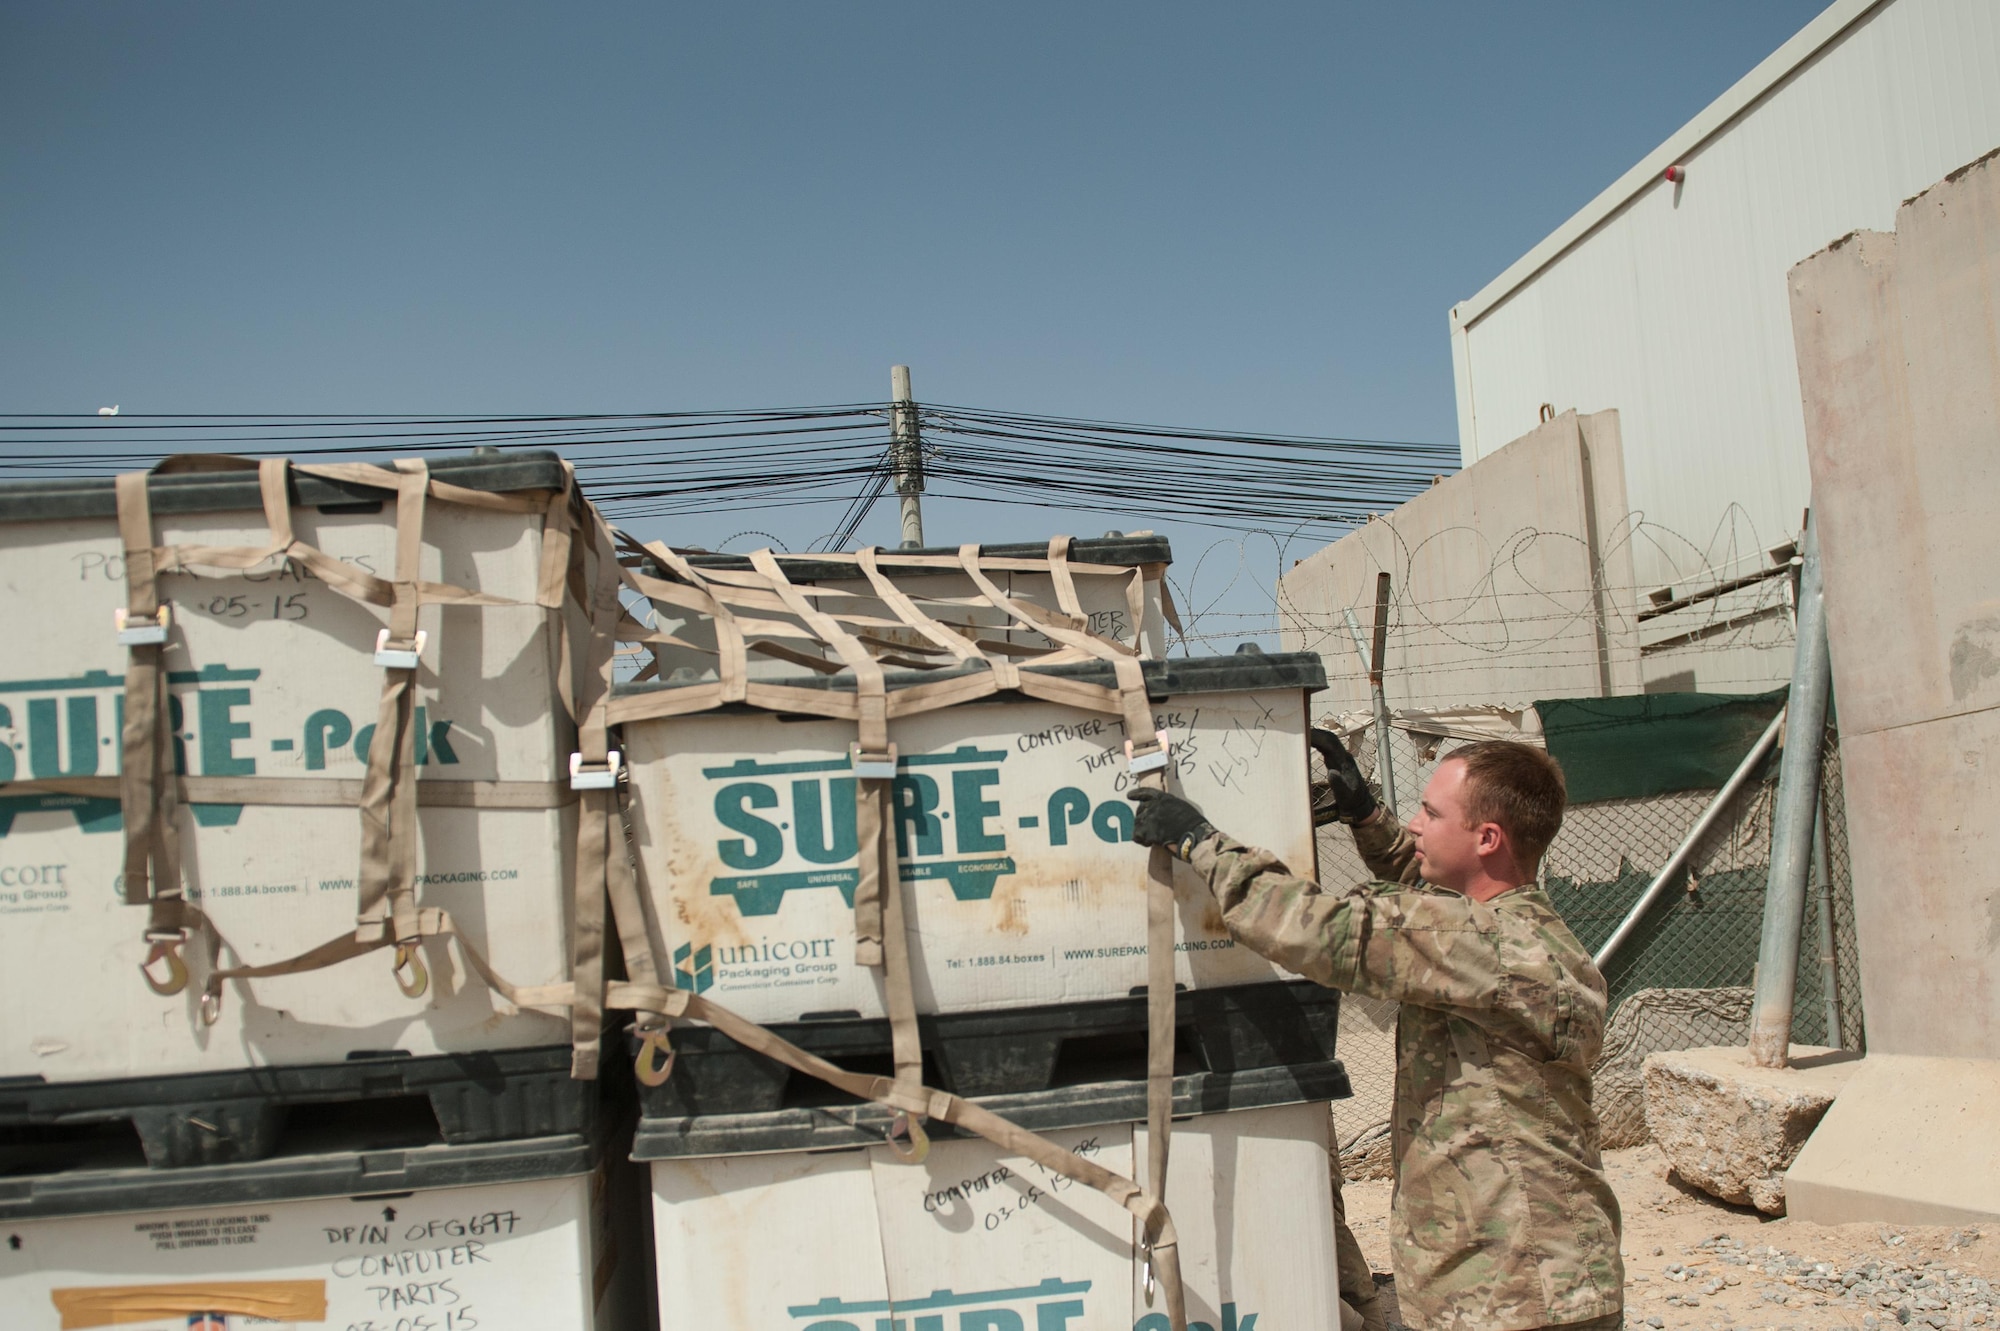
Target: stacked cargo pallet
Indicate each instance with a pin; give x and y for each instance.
(1005, 843)
(331, 845)
(248, 1066)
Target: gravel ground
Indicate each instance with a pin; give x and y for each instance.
(1695, 1264)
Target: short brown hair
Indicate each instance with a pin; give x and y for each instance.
(1519, 787)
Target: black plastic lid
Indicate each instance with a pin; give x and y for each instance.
(225, 491)
(1240, 673)
(859, 1124)
(1122, 550)
(357, 1173)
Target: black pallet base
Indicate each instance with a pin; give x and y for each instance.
(858, 1124)
(215, 1118)
(328, 1172)
(1012, 1051)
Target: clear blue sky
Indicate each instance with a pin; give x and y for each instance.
(1242, 216)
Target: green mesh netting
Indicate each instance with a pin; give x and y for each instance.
(1653, 743)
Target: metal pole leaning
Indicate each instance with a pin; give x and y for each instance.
(1385, 769)
(1685, 851)
(1792, 822)
(1381, 649)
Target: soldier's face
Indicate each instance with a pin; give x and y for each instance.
(1449, 849)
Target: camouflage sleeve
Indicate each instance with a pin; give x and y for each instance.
(1375, 939)
(1386, 848)
(1281, 917)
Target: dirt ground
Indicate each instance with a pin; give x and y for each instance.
(1696, 1264)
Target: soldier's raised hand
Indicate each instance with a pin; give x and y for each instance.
(1165, 819)
(1345, 795)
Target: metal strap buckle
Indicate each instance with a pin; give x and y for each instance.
(165, 947)
(907, 1138)
(399, 658)
(419, 979)
(873, 766)
(140, 631)
(596, 777)
(654, 1062)
(1149, 762)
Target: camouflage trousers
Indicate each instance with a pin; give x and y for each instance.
(1608, 1322)
(1357, 1282)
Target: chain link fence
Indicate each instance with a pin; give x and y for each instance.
(1681, 980)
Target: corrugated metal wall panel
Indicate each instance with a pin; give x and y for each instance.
(1674, 309)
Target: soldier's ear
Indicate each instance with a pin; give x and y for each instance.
(1492, 839)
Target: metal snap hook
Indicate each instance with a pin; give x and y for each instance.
(650, 1067)
(420, 978)
(211, 1006)
(166, 948)
(903, 1127)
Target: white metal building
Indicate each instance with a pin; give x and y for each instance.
(1668, 301)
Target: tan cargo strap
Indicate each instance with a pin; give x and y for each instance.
(387, 878)
(147, 794)
(1159, 1016)
(432, 792)
(953, 644)
(341, 576)
(429, 923)
(620, 884)
(150, 789)
(601, 844)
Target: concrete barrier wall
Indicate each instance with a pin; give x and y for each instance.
(1898, 340)
(1512, 581)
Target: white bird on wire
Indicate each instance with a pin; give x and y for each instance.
(107, 411)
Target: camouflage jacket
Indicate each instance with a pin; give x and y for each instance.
(1503, 1219)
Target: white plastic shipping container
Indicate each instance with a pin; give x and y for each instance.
(272, 677)
(975, 1240)
(1021, 881)
(547, 1234)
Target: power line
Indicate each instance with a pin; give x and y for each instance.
(850, 521)
(662, 464)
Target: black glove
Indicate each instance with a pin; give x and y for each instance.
(1170, 821)
(1345, 794)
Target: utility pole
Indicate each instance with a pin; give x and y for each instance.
(906, 456)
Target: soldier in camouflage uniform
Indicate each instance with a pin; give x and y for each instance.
(1503, 1220)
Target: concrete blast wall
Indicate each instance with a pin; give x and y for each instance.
(1899, 363)
(1512, 581)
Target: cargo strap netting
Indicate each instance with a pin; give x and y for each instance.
(846, 634)
(755, 612)
(150, 789)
